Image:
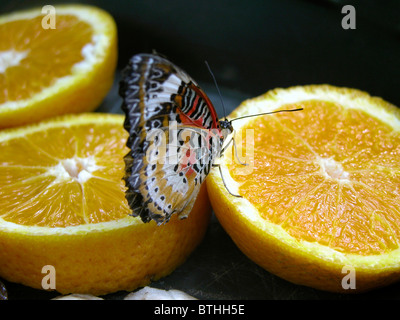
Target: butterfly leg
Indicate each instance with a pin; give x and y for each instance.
(223, 180)
(236, 155)
(235, 147)
(226, 146)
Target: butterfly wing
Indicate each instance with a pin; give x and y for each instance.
(173, 138)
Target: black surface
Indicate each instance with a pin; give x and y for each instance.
(252, 47)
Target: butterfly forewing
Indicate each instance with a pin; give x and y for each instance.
(174, 138)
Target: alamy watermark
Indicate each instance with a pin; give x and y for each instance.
(188, 146)
(349, 20)
(349, 280)
(49, 20)
(49, 280)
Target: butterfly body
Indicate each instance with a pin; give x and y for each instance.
(174, 137)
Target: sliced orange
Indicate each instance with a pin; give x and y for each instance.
(62, 203)
(46, 72)
(321, 195)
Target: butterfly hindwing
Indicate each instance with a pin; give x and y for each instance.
(173, 138)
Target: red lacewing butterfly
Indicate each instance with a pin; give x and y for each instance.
(174, 137)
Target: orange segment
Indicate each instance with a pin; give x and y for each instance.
(66, 187)
(102, 199)
(324, 182)
(305, 194)
(62, 203)
(46, 72)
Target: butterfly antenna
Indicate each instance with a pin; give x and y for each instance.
(216, 85)
(264, 113)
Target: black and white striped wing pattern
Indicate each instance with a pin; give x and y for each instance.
(174, 138)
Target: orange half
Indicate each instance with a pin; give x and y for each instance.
(56, 62)
(62, 203)
(322, 187)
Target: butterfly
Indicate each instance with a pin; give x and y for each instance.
(174, 137)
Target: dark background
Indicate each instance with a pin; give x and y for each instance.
(252, 47)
